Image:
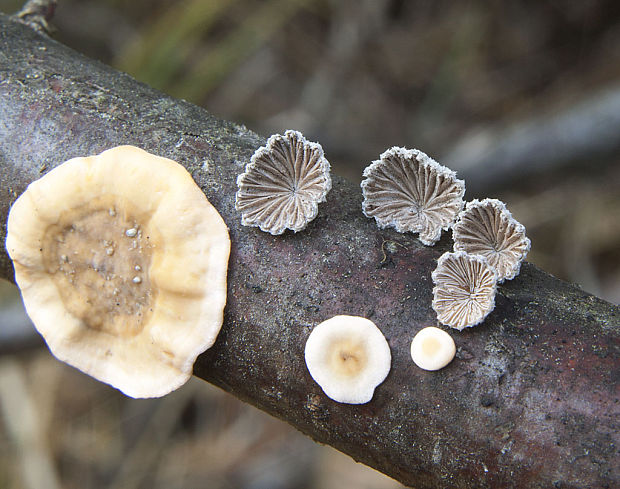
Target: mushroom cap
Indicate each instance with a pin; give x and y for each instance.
(283, 184)
(464, 292)
(410, 191)
(432, 348)
(121, 261)
(348, 357)
(487, 228)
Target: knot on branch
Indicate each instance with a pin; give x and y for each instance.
(36, 14)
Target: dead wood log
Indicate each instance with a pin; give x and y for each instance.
(531, 400)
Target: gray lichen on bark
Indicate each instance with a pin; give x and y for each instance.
(531, 399)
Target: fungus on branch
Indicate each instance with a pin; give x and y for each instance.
(283, 184)
(409, 191)
(121, 261)
(432, 348)
(464, 292)
(487, 228)
(348, 357)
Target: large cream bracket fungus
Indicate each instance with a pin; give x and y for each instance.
(121, 261)
(348, 357)
(410, 191)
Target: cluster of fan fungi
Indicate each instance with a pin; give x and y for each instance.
(409, 191)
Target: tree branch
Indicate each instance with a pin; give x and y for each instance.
(532, 398)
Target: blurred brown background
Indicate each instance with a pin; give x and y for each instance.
(521, 98)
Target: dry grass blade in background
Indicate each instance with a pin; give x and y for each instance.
(27, 425)
(173, 55)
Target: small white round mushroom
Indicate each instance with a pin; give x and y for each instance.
(432, 348)
(140, 333)
(348, 357)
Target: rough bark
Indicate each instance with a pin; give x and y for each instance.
(531, 399)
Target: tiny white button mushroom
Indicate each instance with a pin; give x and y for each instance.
(348, 357)
(432, 348)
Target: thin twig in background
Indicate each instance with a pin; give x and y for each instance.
(587, 133)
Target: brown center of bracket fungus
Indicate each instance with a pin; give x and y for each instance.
(346, 357)
(122, 261)
(464, 292)
(283, 184)
(411, 192)
(487, 228)
(99, 262)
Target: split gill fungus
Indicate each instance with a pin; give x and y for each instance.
(283, 184)
(411, 192)
(487, 228)
(464, 291)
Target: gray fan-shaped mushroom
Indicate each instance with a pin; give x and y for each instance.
(464, 292)
(488, 229)
(412, 192)
(283, 184)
